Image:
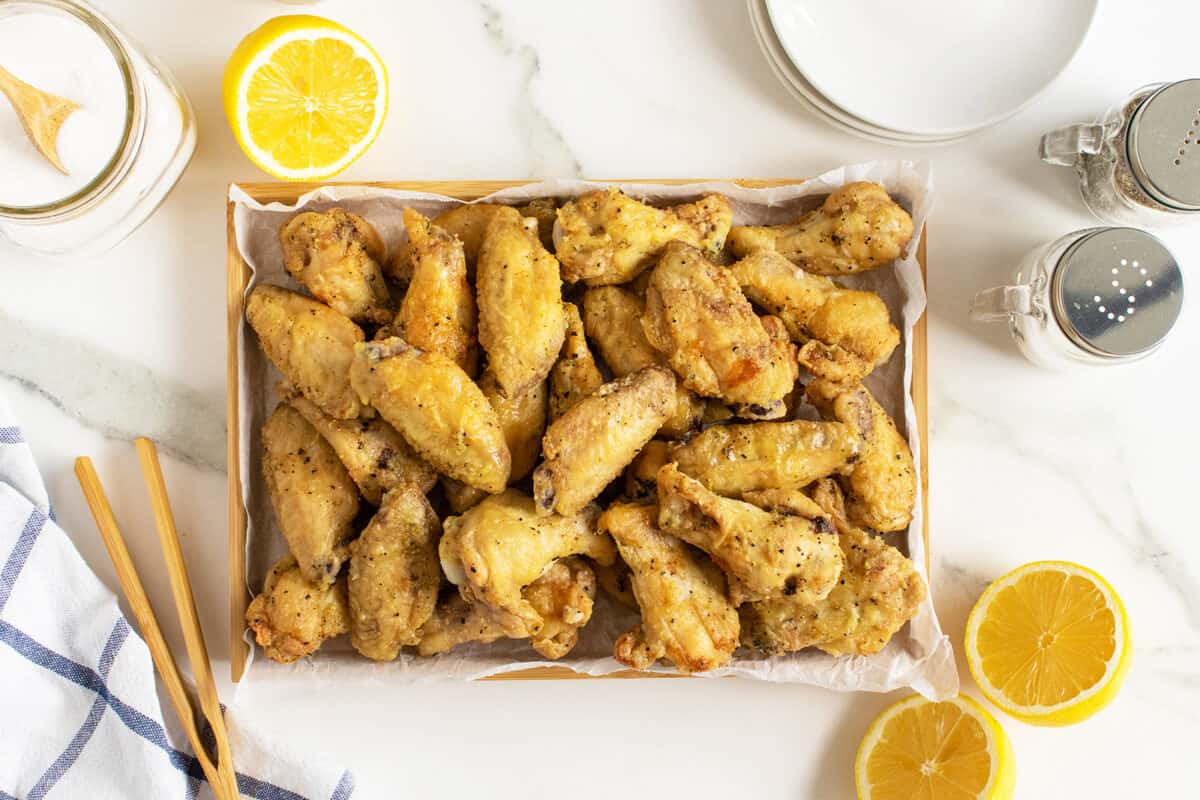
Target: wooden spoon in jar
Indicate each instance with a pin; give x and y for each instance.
(41, 114)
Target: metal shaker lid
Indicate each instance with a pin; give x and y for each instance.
(1117, 292)
(1163, 145)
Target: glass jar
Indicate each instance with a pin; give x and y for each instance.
(124, 148)
(1139, 164)
(1099, 296)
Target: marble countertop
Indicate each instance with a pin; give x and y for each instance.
(1095, 467)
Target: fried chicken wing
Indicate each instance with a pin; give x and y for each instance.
(291, 618)
(371, 450)
(606, 237)
(461, 497)
(782, 352)
(311, 344)
(314, 498)
(502, 545)
(641, 477)
(336, 255)
(698, 318)
(612, 318)
(586, 448)
(545, 211)
(882, 488)
(522, 418)
(394, 575)
(438, 311)
(858, 228)
(686, 615)
(763, 553)
(575, 374)
(733, 459)
(562, 597)
(617, 582)
(521, 319)
(468, 223)
(437, 408)
(879, 591)
(844, 333)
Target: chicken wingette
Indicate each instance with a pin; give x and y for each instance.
(858, 228)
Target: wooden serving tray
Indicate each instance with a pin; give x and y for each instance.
(238, 277)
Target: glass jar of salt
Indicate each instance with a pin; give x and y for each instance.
(1139, 164)
(123, 149)
(1100, 296)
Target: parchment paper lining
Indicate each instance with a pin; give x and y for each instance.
(920, 656)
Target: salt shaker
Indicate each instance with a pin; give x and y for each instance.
(1139, 164)
(1099, 296)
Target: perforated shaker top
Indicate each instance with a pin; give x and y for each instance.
(1117, 292)
(1164, 145)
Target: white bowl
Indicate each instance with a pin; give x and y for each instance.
(936, 68)
(811, 99)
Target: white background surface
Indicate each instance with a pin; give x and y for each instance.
(1095, 467)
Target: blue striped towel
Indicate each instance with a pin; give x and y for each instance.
(80, 715)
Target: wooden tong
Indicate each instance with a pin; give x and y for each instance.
(218, 765)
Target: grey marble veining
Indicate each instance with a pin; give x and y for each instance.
(1144, 543)
(549, 154)
(115, 396)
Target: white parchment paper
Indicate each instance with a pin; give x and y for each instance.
(919, 656)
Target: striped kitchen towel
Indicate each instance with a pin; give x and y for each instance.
(80, 715)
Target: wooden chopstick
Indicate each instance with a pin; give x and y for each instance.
(143, 612)
(185, 606)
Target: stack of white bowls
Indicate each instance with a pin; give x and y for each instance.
(918, 72)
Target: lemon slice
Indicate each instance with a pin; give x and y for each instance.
(1049, 643)
(952, 750)
(305, 97)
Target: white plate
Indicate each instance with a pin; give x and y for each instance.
(932, 67)
(811, 99)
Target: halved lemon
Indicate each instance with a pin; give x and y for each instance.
(305, 96)
(1049, 643)
(952, 750)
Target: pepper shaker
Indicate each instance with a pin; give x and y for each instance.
(1139, 164)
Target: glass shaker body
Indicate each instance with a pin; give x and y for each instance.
(1095, 297)
(129, 102)
(1138, 164)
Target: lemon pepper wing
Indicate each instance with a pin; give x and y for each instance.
(733, 459)
(686, 615)
(500, 546)
(878, 592)
(314, 498)
(763, 553)
(310, 343)
(292, 617)
(613, 321)
(698, 318)
(881, 489)
(521, 319)
(844, 333)
(438, 311)
(575, 374)
(336, 255)
(606, 237)
(858, 228)
(371, 450)
(394, 575)
(437, 408)
(562, 596)
(586, 448)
